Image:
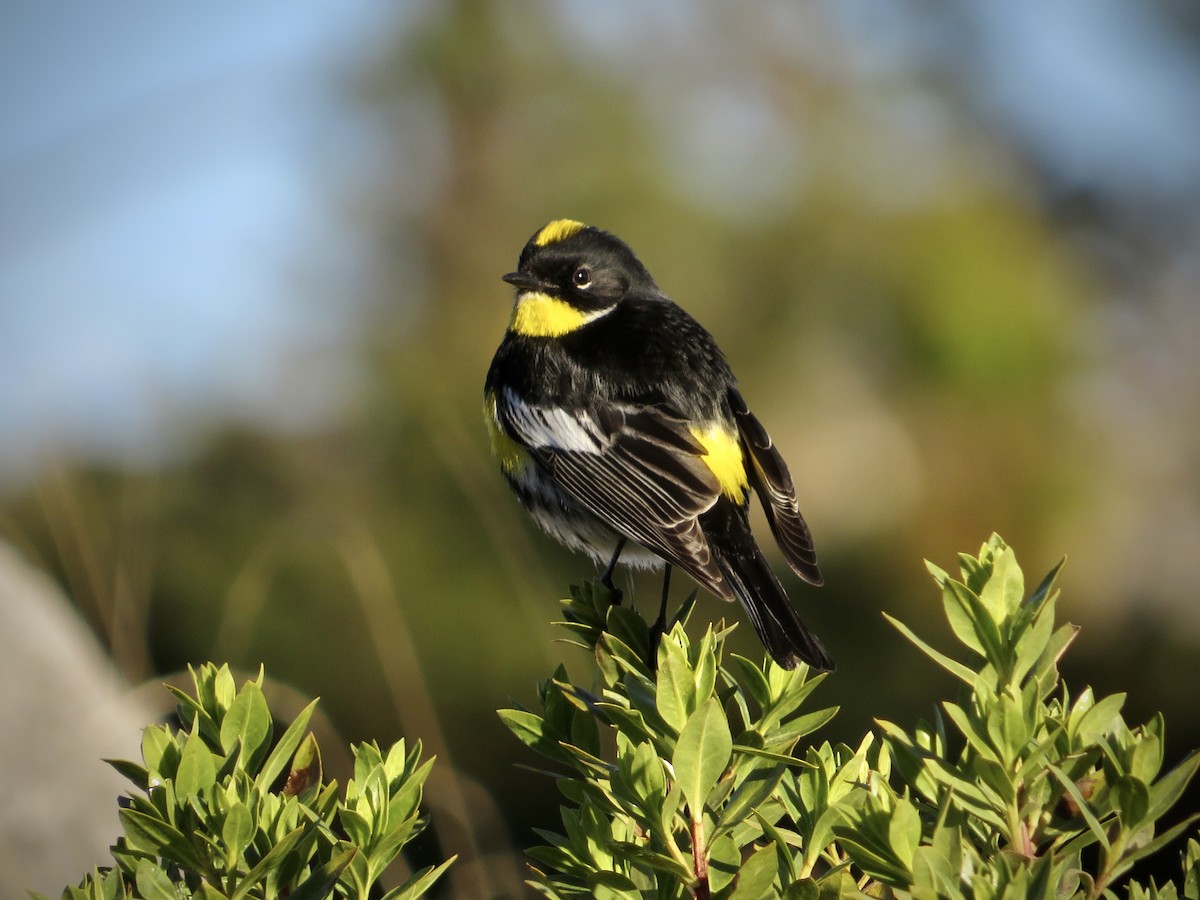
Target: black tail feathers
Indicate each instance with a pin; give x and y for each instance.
(785, 636)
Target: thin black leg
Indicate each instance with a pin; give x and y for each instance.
(660, 624)
(606, 578)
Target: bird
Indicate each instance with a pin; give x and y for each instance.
(619, 425)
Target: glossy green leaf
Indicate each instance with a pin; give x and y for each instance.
(957, 669)
(248, 722)
(281, 754)
(153, 883)
(702, 754)
(236, 832)
(724, 860)
(757, 875)
(676, 690)
(160, 838)
(419, 882)
(1004, 590)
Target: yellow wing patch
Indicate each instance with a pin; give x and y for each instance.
(558, 230)
(540, 315)
(723, 456)
(513, 457)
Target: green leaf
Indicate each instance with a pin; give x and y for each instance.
(419, 882)
(1131, 798)
(305, 775)
(282, 753)
(222, 686)
(646, 777)
(933, 870)
(1096, 721)
(197, 768)
(160, 753)
(753, 790)
(804, 889)
(705, 667)
(752, 679)
(238, 828)
(784, 855)
(1032, 642)
(612, 886)
(963, 673)
(904, 831)
(271, 861)
(1007, 727)
(145, 832)
(724, 859)
(131, 771)
(153, 883)
(979, 740)
(702, 754)
(1004, 590)
(1085, 810)
(1154, 846)
(247, 721)
(320, 882)
(530, 729)
(785, 736)
(1167, 790)
(1146, 758)
(675, 695)
(1042, 591)
(958, 614)
(757, 875)
(639, 854)
(984, 624)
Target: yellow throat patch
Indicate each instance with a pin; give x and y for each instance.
(724, 459)
(558, 230)
(540, 315)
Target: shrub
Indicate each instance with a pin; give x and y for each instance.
(689, 778)
(220, 810)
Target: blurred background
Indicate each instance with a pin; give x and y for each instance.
(249, 289)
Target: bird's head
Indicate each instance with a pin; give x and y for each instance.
(570, 274)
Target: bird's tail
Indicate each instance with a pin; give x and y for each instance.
(786, 637)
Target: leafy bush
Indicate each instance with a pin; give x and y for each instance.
(220, 811)
(687, 778)
(684, 775)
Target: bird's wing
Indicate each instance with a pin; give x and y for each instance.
(772, 481)
(639, 470)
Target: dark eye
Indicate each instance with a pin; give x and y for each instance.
(582, 276)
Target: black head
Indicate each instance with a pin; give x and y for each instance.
(588, 268)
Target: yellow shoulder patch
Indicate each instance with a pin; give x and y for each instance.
(512, 456)
(558, 230)
(723, 457)
(540, 315)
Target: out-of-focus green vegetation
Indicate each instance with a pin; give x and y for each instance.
(909, 313)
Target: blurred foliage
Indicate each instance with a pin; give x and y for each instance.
(906, 314)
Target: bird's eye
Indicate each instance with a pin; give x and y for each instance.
(582, 277)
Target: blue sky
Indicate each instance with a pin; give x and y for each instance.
(167, 179)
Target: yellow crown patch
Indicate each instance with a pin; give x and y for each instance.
(558, 230)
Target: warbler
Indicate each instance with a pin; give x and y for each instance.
(618, 423)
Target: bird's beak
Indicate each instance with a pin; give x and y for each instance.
(523, 281)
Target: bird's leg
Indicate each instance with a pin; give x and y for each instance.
(606, 578)
(660, 624)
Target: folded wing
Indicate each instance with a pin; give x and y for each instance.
(772, 481)
(638, 470)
